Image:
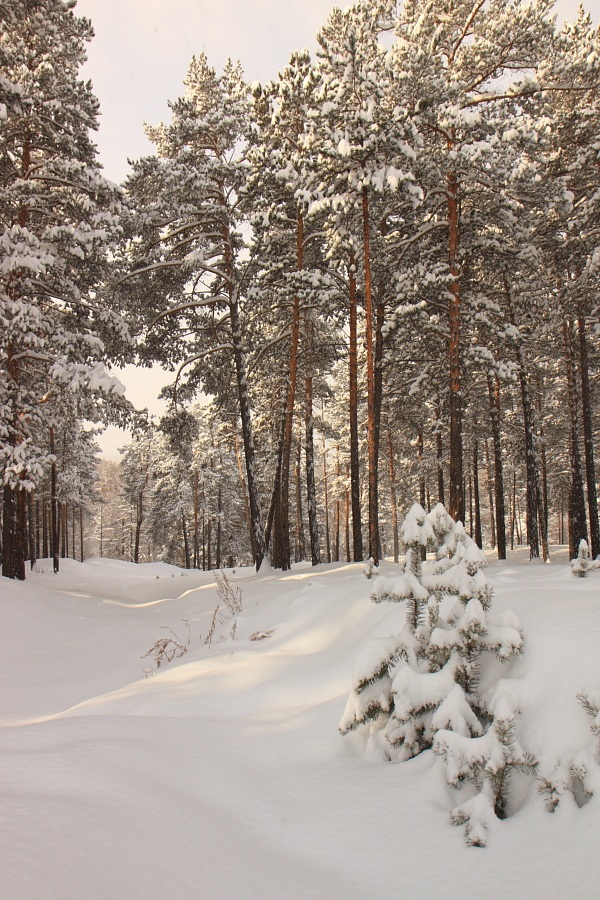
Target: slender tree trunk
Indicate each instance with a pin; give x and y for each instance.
(347, 514)
(533, 488)
(543, 488)
(476, 503)
(219, 516)
(456, 500)
(336, 526)
(577, 517)
(248, 515)
(196, 512)
(309, 446)
(588, 438)
(54, 519)
(81, 532)
(439, 454)
(357, 544)
(494, 398)
(371, 398)
(393, 495)
(490, 488)
(326, 499)
(300, 539)
(420, 454)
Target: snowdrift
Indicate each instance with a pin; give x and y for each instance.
(222, 774)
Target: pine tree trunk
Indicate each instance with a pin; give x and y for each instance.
(219, 517)
(371, 414)
(420, 453)
(490, 488)
(588, 438)
(357, 544)
(309, 447)
(577, 517)
(476, 503)
(439, 454)
(54, 519)
(494, 398)
(393, 495)
(456, 499)
(532, 482)
(300, 540)
(81, 532)
(258, 542)
(326, 499)
(337, 523)
(543, 489)
(244, 490)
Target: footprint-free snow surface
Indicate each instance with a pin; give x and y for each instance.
(222, 774)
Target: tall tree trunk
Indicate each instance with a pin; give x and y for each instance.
(279, 511)
(420, 454)
(393, 495)
(54, 519)
(494, 398)
(588, 437)
(336, 526)
(371, 400)
(533, 488)
(476, 503)
(357, 545)
(543, 489)
(490, 488)
(300, 540)
(439, 454)
(577, 517)
(456, 499)
(219, 527)
(248, 515)
(309, 446)
(326, 499)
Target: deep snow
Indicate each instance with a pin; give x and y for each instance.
(223, 775)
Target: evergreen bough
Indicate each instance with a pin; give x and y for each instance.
(420, 689)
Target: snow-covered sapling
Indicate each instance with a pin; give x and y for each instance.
(583, 563)
(421, 688)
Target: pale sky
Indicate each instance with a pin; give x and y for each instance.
(138, 60)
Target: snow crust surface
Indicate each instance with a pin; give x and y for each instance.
(223, 774)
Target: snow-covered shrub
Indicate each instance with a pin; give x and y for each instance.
(583, 563)
(370, 568)
(420, 689)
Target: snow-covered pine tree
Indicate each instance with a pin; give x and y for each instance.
(59, 217)
(455, 69)
(362, 145)
(187, 274)
(428, 686)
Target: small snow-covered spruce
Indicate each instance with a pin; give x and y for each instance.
(371, 569)
(583, 563)
(421, 688)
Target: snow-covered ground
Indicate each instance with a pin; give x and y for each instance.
(223, 775)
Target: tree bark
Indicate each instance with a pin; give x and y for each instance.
(456, 499)
(577, 517)
(588, 438)
(309, 446)
(393, 495)
(371, 415)
(357, 544)
(476, 503)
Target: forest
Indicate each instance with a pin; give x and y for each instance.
(374, 280)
